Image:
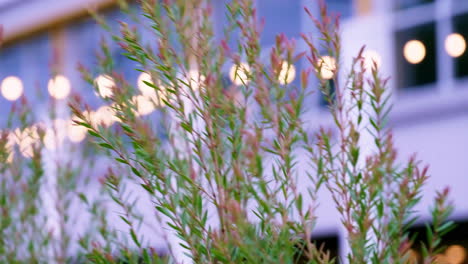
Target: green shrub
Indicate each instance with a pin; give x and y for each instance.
(232, 169)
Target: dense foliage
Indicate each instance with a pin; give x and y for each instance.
(232, 169)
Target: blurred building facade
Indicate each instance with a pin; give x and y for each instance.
(421, 44)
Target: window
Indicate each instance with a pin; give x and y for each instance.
(24, 68)
(460, 26)
(416, 56)
(403, 4)
(330, 89)
(330, 244)
(455, 243)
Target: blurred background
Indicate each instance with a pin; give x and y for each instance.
(421, 44)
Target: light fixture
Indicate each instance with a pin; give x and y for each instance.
(414, 51)
(287, 73)
(413, 257)
(105, 85)
(455, 254)
(455, 45)
(12, 88)
(90, 116)
(105, 115)
(239, 74)
(145, 89)
(51, 139)
(195, 79)
(327, 67)
(371, 57)
(54, 136)
(149, 92)
(59, 87)
(27, 140)
(441, 258)
(9, 147)
(76, 133)
(144, 105)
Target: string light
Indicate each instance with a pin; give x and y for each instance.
(104, 116)
(12, 88)
(150, 93)
(455, 45)
(327, 67)
(413, 257)
(76, 133)
(455, 254)
(287, 73)
(239, 74)
(144, 88)
(27, 140)
(54, 137)
(144, 105)
(371, 57)
(414, 51)
(105, 84)
(59, 87)
(195, 79)
(9, 147)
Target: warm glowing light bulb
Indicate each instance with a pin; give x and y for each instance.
(12, 88)
(105, 85)
(144, 105)
(76, 133)
(371, 57)
(413, 257)
(327, 67)
(239, 74)
(145, 89)
(54, 136)
(455, 254)
(455, 45)
(59, 87)
(105, 115)
(287, 73)
(9, 147)
(440, 258)
(156, 96)
(194, 79)
(27, 140)
(51, 140)
(414, 51)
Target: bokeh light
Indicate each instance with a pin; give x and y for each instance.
(414, 51)
(371, 57)
(59, 87)
(145, 89)
(455, 45)
(105, 85)
(54, 136)
(195, 79)
(76, 133)
(455, 254)
(144, 105)
(413, 257)
(287, 73)
(327, 67)
(105, 115)
(12, 88)
(156, 96)
(9, 147)
(239, 74)
(27, 140)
